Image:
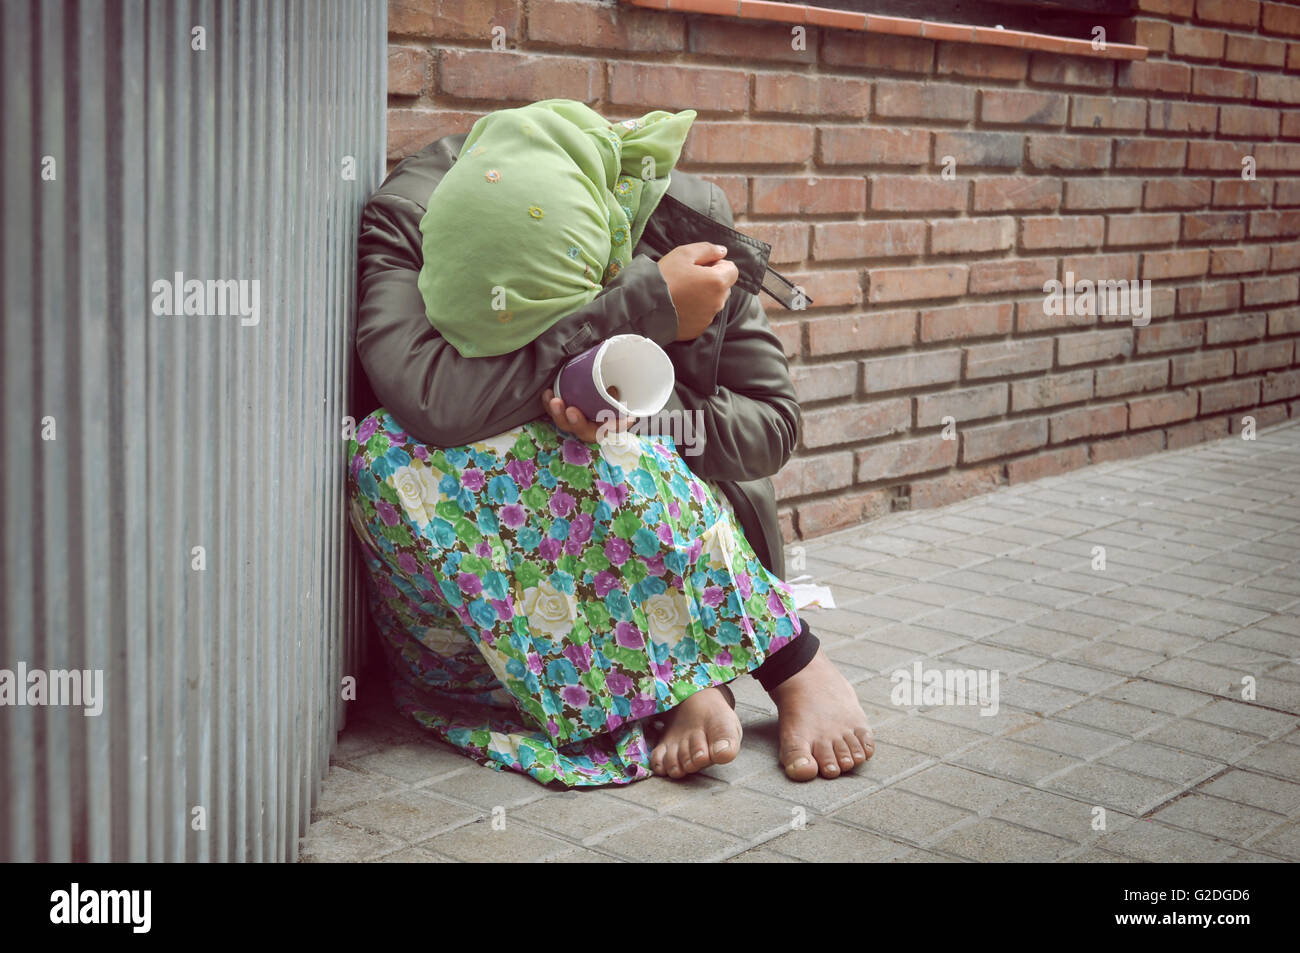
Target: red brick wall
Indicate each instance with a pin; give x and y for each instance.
(929, 290)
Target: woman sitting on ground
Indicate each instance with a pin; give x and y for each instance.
(554, 598)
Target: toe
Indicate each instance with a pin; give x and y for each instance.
(797, 757)
(671, 766)
(843, 755)
(825, 755)
(684, 756)
(724, 740)
(724, 747)
(856, 751)
(695, 751)
(868, 740)
(657, 760)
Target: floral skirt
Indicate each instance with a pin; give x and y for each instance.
(538, 596)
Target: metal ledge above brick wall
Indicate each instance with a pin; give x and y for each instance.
(895, 26)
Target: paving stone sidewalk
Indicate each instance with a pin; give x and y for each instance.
(1120, 697)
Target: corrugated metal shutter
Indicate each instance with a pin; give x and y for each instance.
(221, 685)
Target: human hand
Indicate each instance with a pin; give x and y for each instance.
(575, 422)
(699, 278)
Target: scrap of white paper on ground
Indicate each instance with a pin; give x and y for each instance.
(808, 595)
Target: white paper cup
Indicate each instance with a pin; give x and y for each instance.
(634, 368)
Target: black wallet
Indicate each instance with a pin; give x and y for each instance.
(747, 253)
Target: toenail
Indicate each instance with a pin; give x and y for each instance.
(721, 745)
(698, 755)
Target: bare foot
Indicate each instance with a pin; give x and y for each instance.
(823, 727)
(701, 731)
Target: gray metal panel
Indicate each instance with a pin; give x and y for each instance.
(221, 686)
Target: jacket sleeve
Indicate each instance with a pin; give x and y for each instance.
(748, 428)
(443, 398)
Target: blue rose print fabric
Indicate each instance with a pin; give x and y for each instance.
(537, 597)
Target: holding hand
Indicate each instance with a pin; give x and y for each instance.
(571, 419)
(699, 278)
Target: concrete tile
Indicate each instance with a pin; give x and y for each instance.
(1014, 761)
(414, 762)
(1076, 678)
(991, 576)
(410, 855)
(919, 856)
(1280, 694)
(1003, 607)
(960, 787)
(581, 855)
(1157, 761)
(584, 816)
(1116, 717)
(845, 620)
(891, 607)
(1255, 597)
(890, 763)
(1251, 857)
(1109, 787)
(1078, 623)
(1040, 642)
(346, 787)
(1114, 657)
(481, 843)
(660, 794)
(1257, 790)
(927, 735)
(1094, 855)
(917, 638)
(410, 816)
(932, 593)
(669, 840)
(1158, 697)
(990, 658)
(1038, 697)
(966, 624)
(1284, 841)
(1152, 640)
(1073, 740)
(1208, 741)
(1266, 640)
(975, 718)
(1112, 610)
(872, 656)
(1199, 676)
(1059, 816)
(1286, 622)
(761, 855)
(991, 840)
(1157, 843)
(1083, 582)
(330, 841)
(1218, 818)
(486, 788)
(901, 815)
(1277, 758)
(751, 760)
(1148, 593)
(741, 814)
(828, 841)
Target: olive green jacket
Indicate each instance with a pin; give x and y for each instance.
(735, 374)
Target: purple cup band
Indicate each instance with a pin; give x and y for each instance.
(576, 386)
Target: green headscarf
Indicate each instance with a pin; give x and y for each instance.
(543, 206)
